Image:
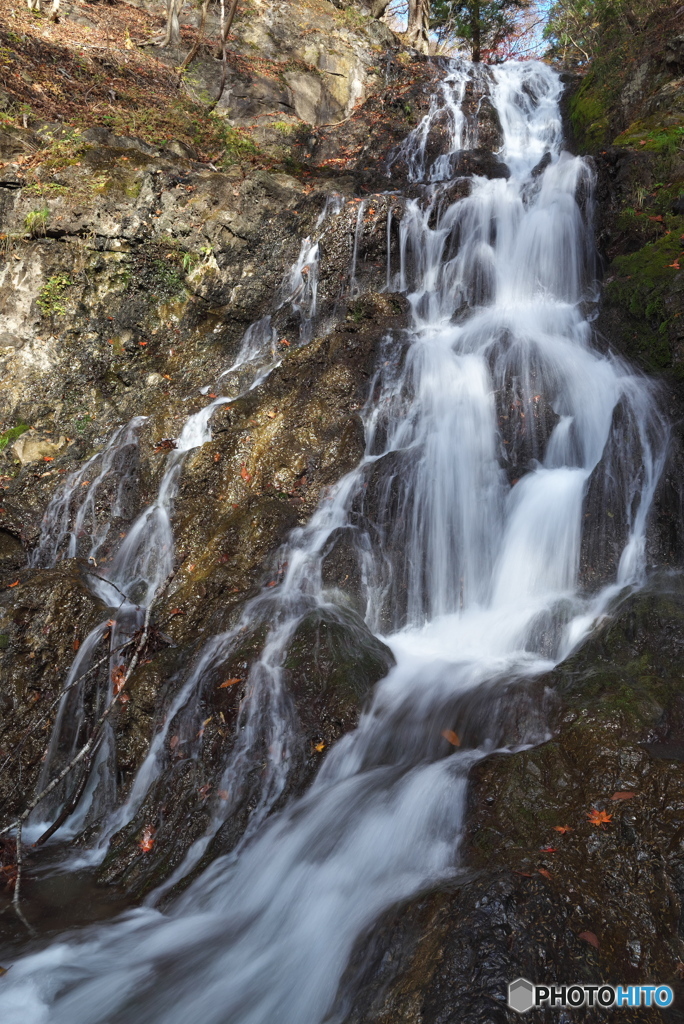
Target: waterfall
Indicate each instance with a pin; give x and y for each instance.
(486, 422)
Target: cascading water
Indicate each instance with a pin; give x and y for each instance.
(485, 426)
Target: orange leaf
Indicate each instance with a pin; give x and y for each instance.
(548, 849)
(124, 698)
(118, 678)
(15, 584)
(228, 682)
(48, 458)
(76, 644)
(147, 842)
(590, 938)
(623, 794)
(562, 829)
(675, 265)
(544, 872)
(319, 747)
(245, 474)
(284, 341)
(598, 817)
(452, 737)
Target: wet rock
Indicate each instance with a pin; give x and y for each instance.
(527, 892)
(44, 616)
(333, 662)
(30, 448)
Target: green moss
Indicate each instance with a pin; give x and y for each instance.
(46, 188)
(643, 282)
(50, 299)
(653, 136)
(4, 641)
(589, 113)
(12, 434)
(167, 278)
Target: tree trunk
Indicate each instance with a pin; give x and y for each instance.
(172, 35)
(476, 31)
(418, 25)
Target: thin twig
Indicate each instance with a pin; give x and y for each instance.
(17, 884)
(88, 746)
(12, 754)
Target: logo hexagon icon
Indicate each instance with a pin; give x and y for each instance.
(521, 995)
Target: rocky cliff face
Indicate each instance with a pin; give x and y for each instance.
(628, 111)
(131, 271)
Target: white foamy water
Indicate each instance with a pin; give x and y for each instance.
(487, 422)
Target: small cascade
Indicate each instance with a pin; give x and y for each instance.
(142, 561)
(488, 423)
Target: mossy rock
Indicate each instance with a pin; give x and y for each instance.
(333, 662)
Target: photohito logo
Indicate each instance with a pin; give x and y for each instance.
(523, 995)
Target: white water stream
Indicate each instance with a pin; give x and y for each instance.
(484, 428)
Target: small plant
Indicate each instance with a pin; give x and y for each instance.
(36, 221)
(12, 434)
(190, 260)
(82, 423)
(50, 299)
(43, 188)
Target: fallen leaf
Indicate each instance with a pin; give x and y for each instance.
(76, 644)
(544, 872)
(598, 817)
(590, 938)
(176, 611)
(284, 341)
(228, 682)
(245, 474)
(623, 794)
(48, 458)
(319, 747)
(675, 265)
(118, 679)
(204, 791)
(207, 721)
(217, 456)
(562, 829)
(211, 395)
(147, 842)
(15, 584)
(271, 415)
(223, 794)
(175, 740)
(548, 849)
(124, 698)
(452, 737)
